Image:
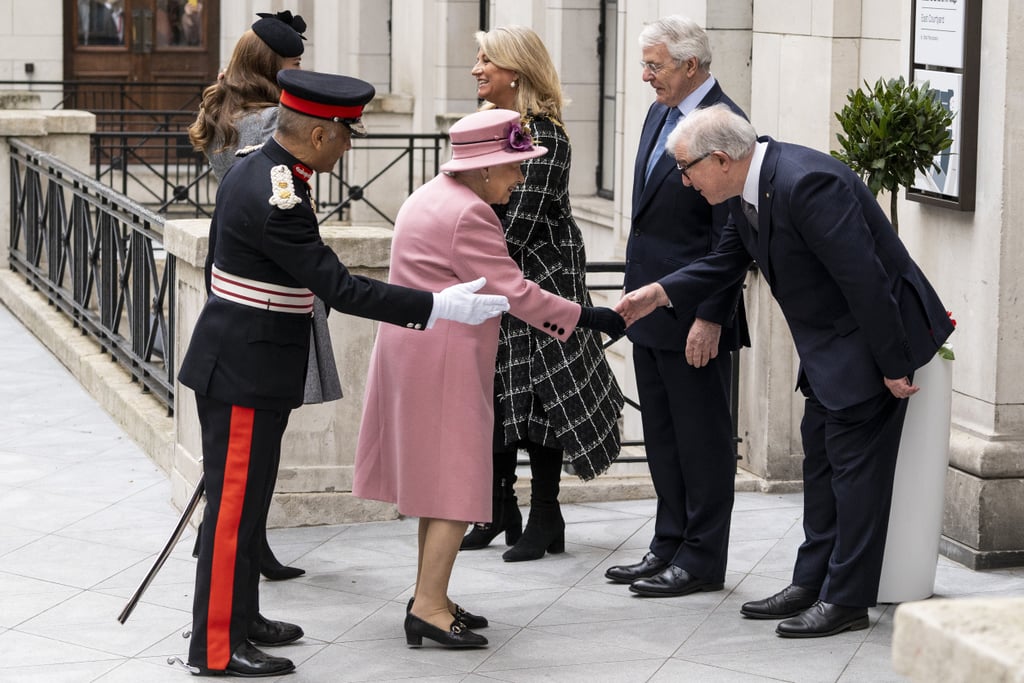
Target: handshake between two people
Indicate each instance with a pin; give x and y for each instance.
(461, 303)
(630, 308)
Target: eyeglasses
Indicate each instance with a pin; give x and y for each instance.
(685, 168)
(653, 67)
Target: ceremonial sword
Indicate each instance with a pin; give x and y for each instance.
(186, 515)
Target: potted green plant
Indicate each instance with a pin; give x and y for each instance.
(890, 132)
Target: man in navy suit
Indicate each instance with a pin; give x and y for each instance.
(863, 318)
(681, 355)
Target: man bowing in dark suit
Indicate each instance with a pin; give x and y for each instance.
(863, 318)
(681, 356)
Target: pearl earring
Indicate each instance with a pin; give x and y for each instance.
(512, 84)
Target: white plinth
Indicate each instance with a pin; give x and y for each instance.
(915, 520)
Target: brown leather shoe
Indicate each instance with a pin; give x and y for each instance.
(788, 602)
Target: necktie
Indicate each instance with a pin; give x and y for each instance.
(659, 148)
(750, 211)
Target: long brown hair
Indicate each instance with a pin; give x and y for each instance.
(248, 82)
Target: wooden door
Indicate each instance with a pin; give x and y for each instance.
(140, 54)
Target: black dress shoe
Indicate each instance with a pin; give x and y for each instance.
(650, 566)
(248, 662)
(263, 631)
(824, 619)
(788, 602)
(457, 635)
(468, 618)
(672, 581)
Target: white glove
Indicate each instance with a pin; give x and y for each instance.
(459, 304)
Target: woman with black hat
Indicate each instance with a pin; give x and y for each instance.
(240, 109)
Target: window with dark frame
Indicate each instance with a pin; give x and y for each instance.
(607, 54)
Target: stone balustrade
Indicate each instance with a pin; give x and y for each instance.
(960, 641)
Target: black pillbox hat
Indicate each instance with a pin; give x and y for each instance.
(326, 96)
(282, 32)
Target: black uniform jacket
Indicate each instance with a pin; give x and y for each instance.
(257, 358)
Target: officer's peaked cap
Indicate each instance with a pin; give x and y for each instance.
(326, 96)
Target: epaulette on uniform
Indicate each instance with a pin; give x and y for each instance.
(247, 150)
(282, 188)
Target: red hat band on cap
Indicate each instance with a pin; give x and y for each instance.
(320, 111)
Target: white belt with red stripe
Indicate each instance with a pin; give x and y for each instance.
(263, 295)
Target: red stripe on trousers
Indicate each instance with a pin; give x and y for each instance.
(225, 546)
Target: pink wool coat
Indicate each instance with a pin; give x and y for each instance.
(426, 436)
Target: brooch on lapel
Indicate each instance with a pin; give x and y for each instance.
(283, 196)
(247, 150)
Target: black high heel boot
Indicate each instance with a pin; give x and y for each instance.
(545, 532)
(545, 528)
(272, 568)
(505, 514)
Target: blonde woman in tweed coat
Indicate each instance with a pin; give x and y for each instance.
(557, 401)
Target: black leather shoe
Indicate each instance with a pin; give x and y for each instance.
(824, 619)
(248, 662)
(457, 635)
(650, 566)
(788, 602)
(468, 618)
(266, 632)
(672, 581)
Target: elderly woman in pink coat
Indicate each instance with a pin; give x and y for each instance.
(425, 440)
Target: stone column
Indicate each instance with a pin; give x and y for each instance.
(65, 134)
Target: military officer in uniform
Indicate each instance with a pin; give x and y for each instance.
(247, 358)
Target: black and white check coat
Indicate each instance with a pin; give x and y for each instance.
(558, 394)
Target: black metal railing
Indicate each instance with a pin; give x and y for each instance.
(144, 153)
(413, 157)
(102, 95)
(160, 170)
(98, 257)
(157, 169)
(607, 276)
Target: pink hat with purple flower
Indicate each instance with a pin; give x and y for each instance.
(491, 137)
